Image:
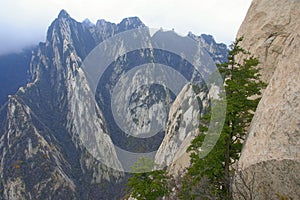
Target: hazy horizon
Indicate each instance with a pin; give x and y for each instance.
(25, 23)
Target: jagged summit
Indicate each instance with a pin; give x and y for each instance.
(63, 14)
(131, 22)
(88, 23)
(103, 22)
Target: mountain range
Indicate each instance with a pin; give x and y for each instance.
(47, 116)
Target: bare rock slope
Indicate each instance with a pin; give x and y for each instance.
(270, 160)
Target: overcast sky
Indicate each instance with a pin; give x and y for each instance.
(25, 22)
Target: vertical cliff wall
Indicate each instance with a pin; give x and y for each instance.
(270, 160)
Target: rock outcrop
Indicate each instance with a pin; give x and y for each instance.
(182, 127)
(270, 28)
(270, 160)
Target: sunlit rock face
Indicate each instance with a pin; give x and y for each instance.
(181, 129)
(269, 29)
(270, 158)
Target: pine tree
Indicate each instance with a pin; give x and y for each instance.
(146, 183)
(212, 175)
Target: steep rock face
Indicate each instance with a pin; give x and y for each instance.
(28, 147)
(269, 29)
(182, 127)
(53, 114)
(146, 104)
(271, 154)
(58, 61)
